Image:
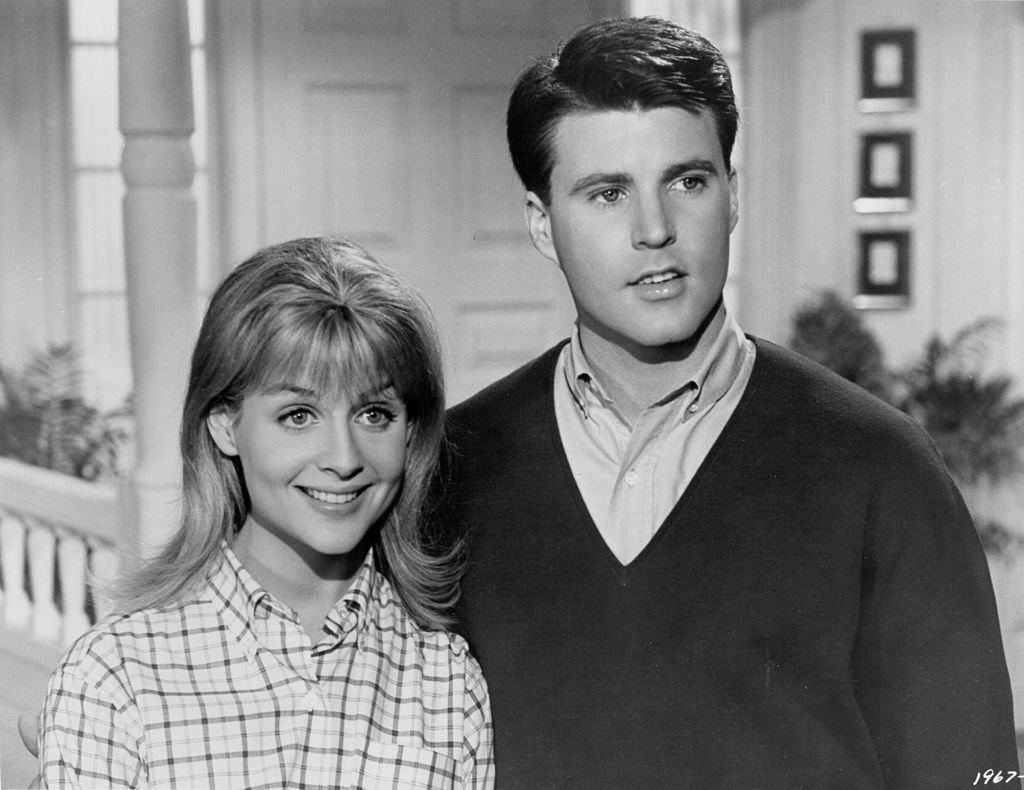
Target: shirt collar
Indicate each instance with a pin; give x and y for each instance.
(239, 594)
(353, 610)
(712, 378)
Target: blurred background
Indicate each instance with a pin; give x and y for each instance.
(147, 149)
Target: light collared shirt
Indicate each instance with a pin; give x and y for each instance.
(631, 477)
(229, 691)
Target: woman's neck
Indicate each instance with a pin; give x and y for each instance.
(309, 585)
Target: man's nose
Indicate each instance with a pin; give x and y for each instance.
(653, 225)
(340, 452)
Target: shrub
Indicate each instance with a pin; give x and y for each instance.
(45, 422)
(974, 418)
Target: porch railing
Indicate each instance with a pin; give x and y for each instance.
(56, 532)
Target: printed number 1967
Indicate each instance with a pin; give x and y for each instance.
(991, 777)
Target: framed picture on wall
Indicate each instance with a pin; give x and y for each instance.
(883, 273)
(885, 172)
(887, 66)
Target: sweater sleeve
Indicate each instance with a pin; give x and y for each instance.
(929, 668)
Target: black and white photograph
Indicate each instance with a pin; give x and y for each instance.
(517, 394)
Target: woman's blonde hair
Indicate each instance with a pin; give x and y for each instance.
(325, 312)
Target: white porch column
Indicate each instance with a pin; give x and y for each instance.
(160, 243)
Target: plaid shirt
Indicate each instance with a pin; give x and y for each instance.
(228, 691)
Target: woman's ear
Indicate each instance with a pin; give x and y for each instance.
(221, 425)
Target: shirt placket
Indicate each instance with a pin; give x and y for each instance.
(633, 505)
(302, 695)
(632, 501)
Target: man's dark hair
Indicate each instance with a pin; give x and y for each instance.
(638, 63)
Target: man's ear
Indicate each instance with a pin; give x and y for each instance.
(734, 201)
(221, 425)
(538, 223)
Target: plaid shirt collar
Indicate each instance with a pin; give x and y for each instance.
(241, 601)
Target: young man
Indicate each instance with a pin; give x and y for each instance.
(696, 559)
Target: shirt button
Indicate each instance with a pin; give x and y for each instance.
(692, 408)
(311, 700)
(632, 477)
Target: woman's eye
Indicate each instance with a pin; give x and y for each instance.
(375, 416)
(297, 418)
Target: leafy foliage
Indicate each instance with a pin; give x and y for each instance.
(45, 422)
(975, 419)
(833, 335)
(976, 422)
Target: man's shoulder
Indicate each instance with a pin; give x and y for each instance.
(796, 389)
(523, 387)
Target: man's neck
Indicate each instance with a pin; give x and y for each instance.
(635, 381)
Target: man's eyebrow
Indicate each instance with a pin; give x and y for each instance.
(681, 168)
(596, 179)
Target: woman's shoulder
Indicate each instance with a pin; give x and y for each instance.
(136, 636)
(392, 620)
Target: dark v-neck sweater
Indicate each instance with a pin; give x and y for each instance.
(816, 610)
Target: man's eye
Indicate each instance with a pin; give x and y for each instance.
(692, 183)
(608, 196)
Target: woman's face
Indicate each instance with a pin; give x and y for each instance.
(320, 470)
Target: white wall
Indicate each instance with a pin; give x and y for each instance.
(801, 129)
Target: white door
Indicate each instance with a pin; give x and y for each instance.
(383, 120)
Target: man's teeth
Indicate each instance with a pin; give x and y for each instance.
(654, 279)
(328, 498)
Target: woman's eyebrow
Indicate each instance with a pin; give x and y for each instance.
(285, 387)
(384, 390)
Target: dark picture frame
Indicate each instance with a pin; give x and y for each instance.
(883, 273)
(886, 172)
(888, 70)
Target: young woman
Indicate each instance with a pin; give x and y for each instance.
(291, 634)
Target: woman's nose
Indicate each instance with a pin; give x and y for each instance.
(340, 452)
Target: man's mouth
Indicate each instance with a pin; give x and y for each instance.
(657, 278)
(327, 497)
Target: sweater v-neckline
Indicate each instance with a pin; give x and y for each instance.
(624, 573)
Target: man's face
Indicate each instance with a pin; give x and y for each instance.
(639, 220)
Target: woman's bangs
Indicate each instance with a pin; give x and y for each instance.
(334, 355)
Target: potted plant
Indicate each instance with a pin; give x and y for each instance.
(44, 421)
(973, 417)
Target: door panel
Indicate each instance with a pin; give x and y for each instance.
(384, 121)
